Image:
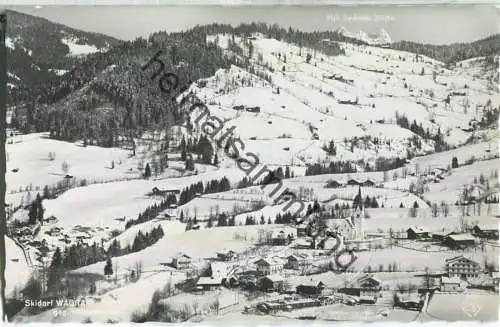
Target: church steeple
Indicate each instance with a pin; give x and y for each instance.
(357, 204)
(358, 215)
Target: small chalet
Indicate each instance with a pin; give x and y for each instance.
(281, 238)
(367, 288)
(157, 191)
(353, 182)
(441, 236)
(208, 283)
(368, 183)
(311, 288)
(417, 232)
(487, 231)
(269, 266)
(253, 109)
(226, 255)
(451, 284)
(271, 283)
(333, 184)
(302, 229)
(462, 267)
(459, 241)
(181, 261)
(298, 261)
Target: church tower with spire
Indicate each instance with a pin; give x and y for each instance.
(358, 215)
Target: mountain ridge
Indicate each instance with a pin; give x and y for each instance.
(39, 50)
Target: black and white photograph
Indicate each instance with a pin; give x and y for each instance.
(250, 164)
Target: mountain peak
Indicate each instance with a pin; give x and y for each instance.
(373, 39)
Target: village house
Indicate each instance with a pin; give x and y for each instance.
(459, 241)
(269, 266)
(281, 238)
(353, 182)
(181, 261)
(451, 284)
(486, 231)
(462, 267)
(441, 236)
(157, 191)
(226, 255)
(311, 288)
(368, 183)
(417, 232)
(271, 283)
(208, 283)
(303, 243)
(367, 288)
(302, 229)
(298, 261)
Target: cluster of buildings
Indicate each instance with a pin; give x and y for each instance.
(246, 108)
(455, 240)
(351, 182)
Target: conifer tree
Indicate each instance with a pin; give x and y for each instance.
(147, 171)
(108, 268)
(55, 271)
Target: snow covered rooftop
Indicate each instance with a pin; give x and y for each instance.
(462, 237)
(450, 280)
(275, 278)
(209, 281)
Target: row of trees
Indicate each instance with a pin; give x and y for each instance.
(201, 147)
(152, 211)
(213, 186)
(141, 241)
(439, 145)
(36, 210)
(335, 167)
(452, 53)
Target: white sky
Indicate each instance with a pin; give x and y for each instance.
(428, 24)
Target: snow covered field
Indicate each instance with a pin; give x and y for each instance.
(17, 271)
(300, 112)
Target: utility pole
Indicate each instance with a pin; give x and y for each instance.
(3, 114)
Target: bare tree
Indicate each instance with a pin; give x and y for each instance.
(428, 281)
(445, 209)
(138, 269)
(435, 210)
(65, 167)
(386, 176)
(195, 304)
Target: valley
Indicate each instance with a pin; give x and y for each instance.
(388, 155)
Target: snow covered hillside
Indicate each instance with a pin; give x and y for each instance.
(370, 144)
